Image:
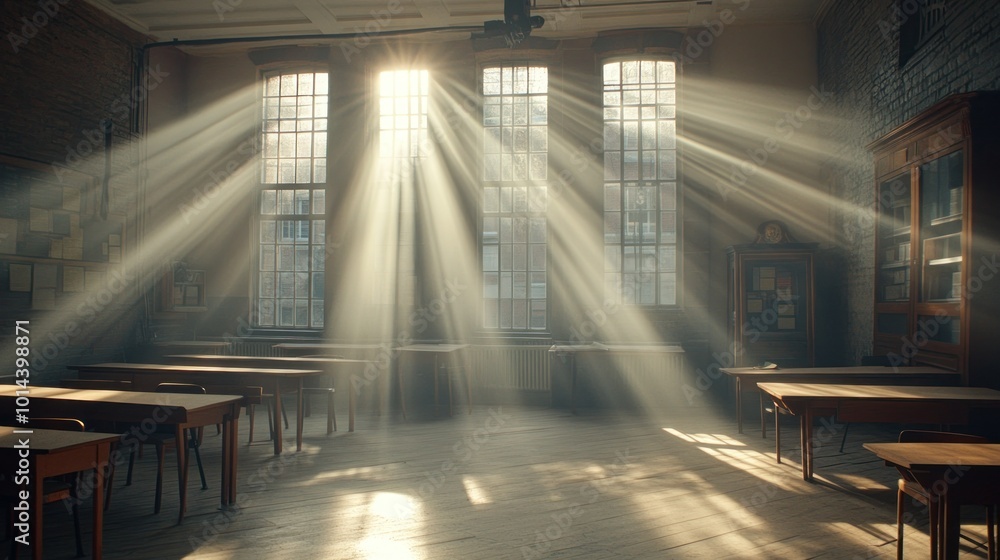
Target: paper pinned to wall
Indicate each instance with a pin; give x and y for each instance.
(8, 235)
(73, 279)
(20, 277)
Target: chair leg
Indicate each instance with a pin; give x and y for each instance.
(843, 440)
(159, 478)
(109, 479)
(270, 420)
(131, 463)
(195, 445)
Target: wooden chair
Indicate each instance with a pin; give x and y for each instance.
(324, 386)
(164, 437)
(908, 486)
(56, 489)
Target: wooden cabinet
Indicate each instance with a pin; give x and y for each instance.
(182, 289)
(771, 303)
(937, 251)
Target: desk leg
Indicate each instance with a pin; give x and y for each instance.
(103, 451)
(572, 384)
(437, 398)
(803, 438)
(763, 415)
(402, 391)
(299, 414)
(278, 415)
(227, 457)
(234, 461)
(950, 527)
(807, 466)
(739, 406)
(36, 524)
(467, 368)
(777, 433)
(350, 407)
(182, 459)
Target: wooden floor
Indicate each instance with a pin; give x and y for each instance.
(521, 483)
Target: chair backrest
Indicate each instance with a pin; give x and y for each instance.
(66, 424)
(928, 436)
(187, 388)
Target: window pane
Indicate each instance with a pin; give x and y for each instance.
(293, 153)
(515, 162)
(640, 218)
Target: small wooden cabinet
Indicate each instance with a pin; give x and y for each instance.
(771, 301)
(182, 289)
(937, 250)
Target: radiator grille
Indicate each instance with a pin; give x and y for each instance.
(242, 347)
(524, 368)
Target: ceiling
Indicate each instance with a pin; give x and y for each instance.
(187, 20)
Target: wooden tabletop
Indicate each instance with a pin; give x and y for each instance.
(141, 401)
(600, 347)
(47, 441)
(193, 343)
(847, 371)
(428, 347)
(925, 454)
(329, 346)
(836, 391)
(291, 360)
(200, 369)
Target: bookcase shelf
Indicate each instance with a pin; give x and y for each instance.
(936, 226)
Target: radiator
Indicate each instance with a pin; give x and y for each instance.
(510, 367)
(658, 373)
(250, 347)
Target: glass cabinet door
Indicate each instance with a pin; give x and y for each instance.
(775, 297)
(941, 205)
(893, 259)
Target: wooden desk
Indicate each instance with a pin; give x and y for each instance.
(331, 366)
(854, 375)
(53, 453)
(438, 350)
(875, 403)
(572, 350)
(956, 473)
(146, 377)
(138, 407)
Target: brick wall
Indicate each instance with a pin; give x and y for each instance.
(859, 62)
(65, 67)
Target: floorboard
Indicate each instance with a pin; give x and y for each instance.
(523, 482)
